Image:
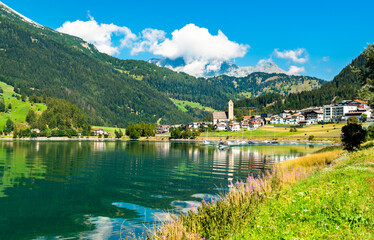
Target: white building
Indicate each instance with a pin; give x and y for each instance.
(338, 112)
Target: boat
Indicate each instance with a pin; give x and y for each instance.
(207, 142)
(251, 143)
(222, 147)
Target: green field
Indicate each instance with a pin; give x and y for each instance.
(181, 105)
(19, 108)
(109, 129)
(318, 131)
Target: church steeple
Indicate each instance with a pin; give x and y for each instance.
(231, 111)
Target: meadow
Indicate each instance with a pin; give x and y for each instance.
(19, 108)
(327, 195)
(326, 131)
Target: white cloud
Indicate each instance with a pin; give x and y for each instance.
(299, 55)
(150, 39)
(329, 70)
(326, 59)
(200, 50)
(99, 34)
(295, 70)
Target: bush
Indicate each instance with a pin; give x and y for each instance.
(353, 136)
(311, 138)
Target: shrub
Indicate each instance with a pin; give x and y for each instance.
(353, 136)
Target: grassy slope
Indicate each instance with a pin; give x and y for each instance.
(109, 129)
(336, 203)
(318, 131)
(322, 196)
(19, 109)
(181, 105)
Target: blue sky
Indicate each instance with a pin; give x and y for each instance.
(326, 34)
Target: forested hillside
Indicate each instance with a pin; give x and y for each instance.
(344, 86)
(259, 83)
(37, 64)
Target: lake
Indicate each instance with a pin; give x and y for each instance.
(110, 190)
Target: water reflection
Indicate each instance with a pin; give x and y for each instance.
(104, 190)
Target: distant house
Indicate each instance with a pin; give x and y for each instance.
(163, 129)
(255, 125)
(276, 119)
(100, 131)
(235, 126)
(220, 126)
(313, 116)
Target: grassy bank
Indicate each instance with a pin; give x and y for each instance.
(328, 195)
(327, 131)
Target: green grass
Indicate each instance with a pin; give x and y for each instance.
(336, 203)
(321, 196)
(19, 109)
(109, 129)
(181, 105)
(318, 131)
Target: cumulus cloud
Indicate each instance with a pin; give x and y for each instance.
(150, 39)
(200, 50)
(99, 34)
(299, 55)
(295, 70)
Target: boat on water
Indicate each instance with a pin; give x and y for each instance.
(251, 143)
(222, 147)
(207, 142)
(273, 142)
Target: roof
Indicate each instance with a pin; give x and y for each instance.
(220, 115)
(359, 101)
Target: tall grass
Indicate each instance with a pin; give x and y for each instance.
(215, 220)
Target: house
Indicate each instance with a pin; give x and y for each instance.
(235, 126)
(313, 116)
(276, 119)
(255, 125)
(163, 129)
(100, 131)
(224, 116)
(285, 113)
(220, 127)
(357, 113)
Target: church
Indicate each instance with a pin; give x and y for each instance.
(224, 116)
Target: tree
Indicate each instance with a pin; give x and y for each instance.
(352, 120)
(30, 117)
(2, 105)
(364, 117)
(118, 134)
(352, 136)
(366, 73)
(23, 97)
(134, 135)
(9, 126)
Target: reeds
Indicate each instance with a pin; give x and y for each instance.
(218, 219)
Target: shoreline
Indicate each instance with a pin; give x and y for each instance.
(154, 139)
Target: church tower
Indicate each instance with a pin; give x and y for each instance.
(231, 111)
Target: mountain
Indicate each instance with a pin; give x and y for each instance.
(38, 60)
(260, 83)
(345, 85)
(226, 68)
(41, 61)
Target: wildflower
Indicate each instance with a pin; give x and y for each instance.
(212, 201)
(337, 228)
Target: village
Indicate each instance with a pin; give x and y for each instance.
(333, 113)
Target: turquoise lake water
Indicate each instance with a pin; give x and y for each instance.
(110, 190)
